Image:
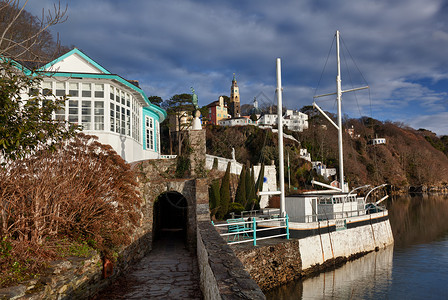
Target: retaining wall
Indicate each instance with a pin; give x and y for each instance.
(222, 273)
(272, 263)
(344, 243)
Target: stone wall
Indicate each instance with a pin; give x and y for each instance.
(196, 140)
(222, 273)
(272, 263)
(77, 278)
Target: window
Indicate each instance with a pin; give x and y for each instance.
(33, 92)
(99, 90)
(86, 115)
(73, 89)
(123, 121)
(73, 116)
(112, 117)
(117, 95)
(149, 134)
(158, 136)
(117, 119)
(86, 90)
(46, 88)
(128, 100)
(60, 113)
(60, 88)
(112, 95)
(128, 122)
(99, 115)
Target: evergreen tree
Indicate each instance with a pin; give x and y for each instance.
(214, 197)
(249, 187)
(224, 194)
(260, 180)
(215, 164)
(240, 196)
(258, 187)
(250, 190)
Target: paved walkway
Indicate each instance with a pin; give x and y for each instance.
(169, 271)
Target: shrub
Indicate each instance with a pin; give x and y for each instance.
(83, 191)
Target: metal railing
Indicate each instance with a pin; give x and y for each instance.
(238, 231)
(269, 213)
(342, 215)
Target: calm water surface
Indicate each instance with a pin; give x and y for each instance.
(416, 267)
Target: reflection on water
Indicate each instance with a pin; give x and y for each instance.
(416, 268)
(418, 219)
(353, 280)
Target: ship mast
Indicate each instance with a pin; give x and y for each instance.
(339, 98)
(338, 126)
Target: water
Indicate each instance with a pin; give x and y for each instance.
(416, 267)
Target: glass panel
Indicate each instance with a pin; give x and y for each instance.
(112, 117)
(117, 119)
(73, 107)
(87, 90)
(60, 88)
(112, 95)
(99, 90)
(128, 101)
(73, 89)
(86, 118)
(123, 121)
(128, 122)
(46, 88)
(99, 115)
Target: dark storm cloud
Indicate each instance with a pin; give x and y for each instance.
(171, 45)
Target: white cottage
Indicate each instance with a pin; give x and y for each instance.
(106, 105)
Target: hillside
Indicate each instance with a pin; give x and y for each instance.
(409, 158)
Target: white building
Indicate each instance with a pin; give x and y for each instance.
(305, 155)
(240, 121)
(322, 169)
(377, 141)
(293, 120)
(104, 104)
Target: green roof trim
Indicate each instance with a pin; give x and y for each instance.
(80, 53)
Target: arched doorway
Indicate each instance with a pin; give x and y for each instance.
(170, 216)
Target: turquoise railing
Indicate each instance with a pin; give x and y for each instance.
(237, 231)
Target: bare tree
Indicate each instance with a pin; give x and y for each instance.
(25, 37)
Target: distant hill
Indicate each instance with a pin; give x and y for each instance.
(409, 158)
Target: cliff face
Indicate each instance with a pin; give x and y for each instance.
(409, 158)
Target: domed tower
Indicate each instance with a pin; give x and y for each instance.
(234, 99)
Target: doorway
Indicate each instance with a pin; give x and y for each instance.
(170, 216)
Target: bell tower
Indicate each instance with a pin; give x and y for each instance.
(234, 99)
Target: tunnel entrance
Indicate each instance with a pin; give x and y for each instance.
(170, 216)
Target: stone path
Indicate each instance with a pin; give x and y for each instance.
(170, 271)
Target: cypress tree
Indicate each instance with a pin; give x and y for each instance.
(215, 164)
(250, 190)
(224, 194)
(240, 196)
(214, 197)
(260, 180)
(259, 187)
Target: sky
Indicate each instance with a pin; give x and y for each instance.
(398, 48)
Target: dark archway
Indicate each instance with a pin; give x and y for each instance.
(170, 215)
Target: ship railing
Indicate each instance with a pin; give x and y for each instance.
(237, 231)
(263, 213)
(343, 215)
